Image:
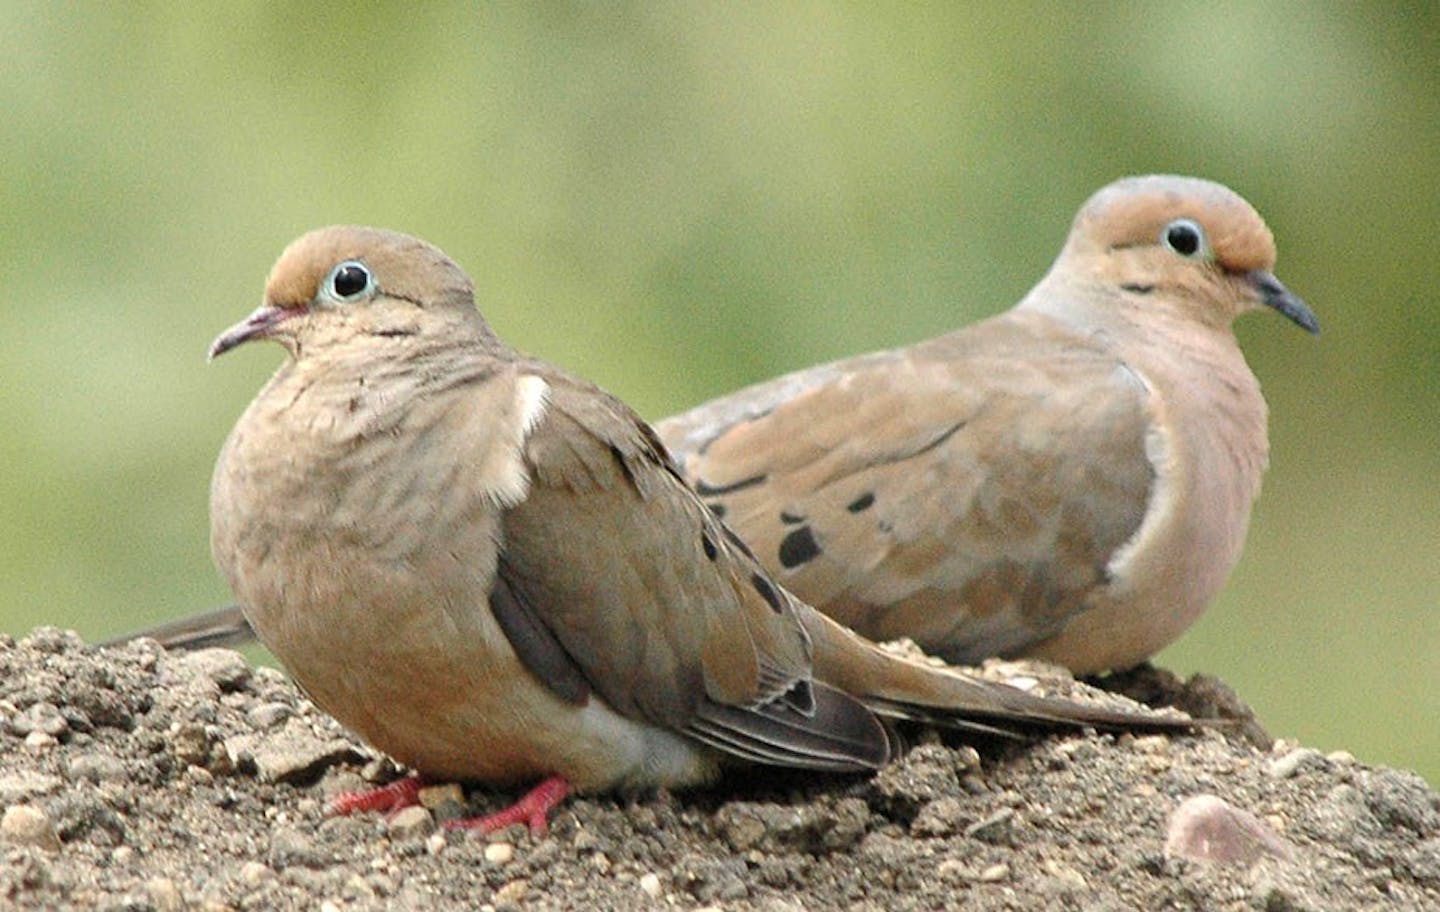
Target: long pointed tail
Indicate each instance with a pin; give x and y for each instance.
(222, 627)
(900, 688)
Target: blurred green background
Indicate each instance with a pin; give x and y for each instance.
(678, 199)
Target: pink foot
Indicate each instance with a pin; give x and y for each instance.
(533, 810)
(401, 793)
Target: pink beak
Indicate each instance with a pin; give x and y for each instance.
(256, 326)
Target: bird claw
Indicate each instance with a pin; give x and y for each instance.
(396, 796)
(533, 809)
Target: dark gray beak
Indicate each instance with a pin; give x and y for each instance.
(1274, 294)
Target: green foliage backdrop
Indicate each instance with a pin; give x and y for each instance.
(676, 199)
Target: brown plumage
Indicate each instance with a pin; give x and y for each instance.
(492, 570)
(1071, 479)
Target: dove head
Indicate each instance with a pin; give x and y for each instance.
(351, 285)
(1182, 245)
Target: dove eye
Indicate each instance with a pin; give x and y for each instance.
(349, 281)
(1186, 238)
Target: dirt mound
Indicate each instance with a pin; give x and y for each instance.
(134, 779)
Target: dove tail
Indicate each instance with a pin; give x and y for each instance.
(222, 627)
(899, 688)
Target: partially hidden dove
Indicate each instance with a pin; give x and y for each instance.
(1071, 479)
(492, 570)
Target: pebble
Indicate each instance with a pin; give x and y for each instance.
(433, 796)
(268, 715)
(1151, 744)
(993, 829)
(650, 883)
(410, 823)
(953, 870)
(97, 768)
(27, 825)
(1208, 828)
(512, 892)
(41, 716)
(226, 667)
(994, 873)
(293, 754)
(500, 853)
(1066, 875)
(1292, 762)
(940, 817)
(39, 741)
(253, 874)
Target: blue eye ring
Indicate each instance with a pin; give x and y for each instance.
(349, 281)
(1187, 238)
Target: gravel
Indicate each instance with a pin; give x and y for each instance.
(133, 779)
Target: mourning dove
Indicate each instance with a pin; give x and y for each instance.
(492, 570)
(1071, 479)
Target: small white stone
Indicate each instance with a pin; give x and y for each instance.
(253, 873)
(1151, 744)
(994, 874)
(24, 825)
(1294, 761)
(512, 892)
(499, 853)
(1067, 875)
(39, 741)
(650, 883)
(412, 822)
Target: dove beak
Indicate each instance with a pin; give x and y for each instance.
(259, 325)
(1273, 293)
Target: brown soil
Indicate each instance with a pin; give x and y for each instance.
(134, 779)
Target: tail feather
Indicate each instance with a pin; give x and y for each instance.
(839, 733)
(222, 627)
(899, 688)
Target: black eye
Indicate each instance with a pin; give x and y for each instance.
(350, 280)
(1186, 238)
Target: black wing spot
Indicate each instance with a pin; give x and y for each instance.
(718, 509)
(862, 503)
(790, 519)
(706, 489)
(708, 544)
(1138, 288)
(767, 592)
(798, 547)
